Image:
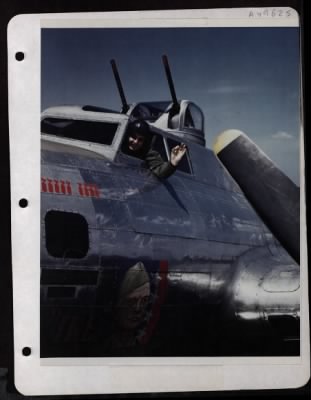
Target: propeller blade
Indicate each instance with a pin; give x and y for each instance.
(273, 195)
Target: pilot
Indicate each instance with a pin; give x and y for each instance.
(138, 144)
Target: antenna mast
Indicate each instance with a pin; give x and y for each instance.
(125, 105)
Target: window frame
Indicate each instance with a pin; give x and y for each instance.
(188, 158)
(116, 123)
(166, 147)
(84, 230)
(108, 151)
(186, 107)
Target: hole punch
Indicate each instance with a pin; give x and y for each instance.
(23, 203)
(26, 351)
(19, 56)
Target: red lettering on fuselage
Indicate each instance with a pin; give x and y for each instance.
(55, 186)
(65, 187)
(88, 190)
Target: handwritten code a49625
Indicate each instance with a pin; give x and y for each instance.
(271, 13)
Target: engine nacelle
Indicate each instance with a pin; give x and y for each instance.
(265, 288)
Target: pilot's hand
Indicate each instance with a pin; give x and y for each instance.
(177, 153)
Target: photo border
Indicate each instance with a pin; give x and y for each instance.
(32, 375)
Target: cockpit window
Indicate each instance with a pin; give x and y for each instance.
(90, 131)
(184, 164)
(157, 144)
(150, 111)
(193, 118)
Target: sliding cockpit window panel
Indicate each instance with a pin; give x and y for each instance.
(184, 164)
(156, 143)
(159, 146)
(83, 130)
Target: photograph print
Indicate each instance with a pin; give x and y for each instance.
(170, 192)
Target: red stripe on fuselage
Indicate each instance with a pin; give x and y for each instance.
(160, 297)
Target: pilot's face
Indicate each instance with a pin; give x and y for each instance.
(135, 142)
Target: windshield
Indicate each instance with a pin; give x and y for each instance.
(150, 111)
(194, 117)
(90, 131)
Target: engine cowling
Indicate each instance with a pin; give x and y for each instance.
(264, 294)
